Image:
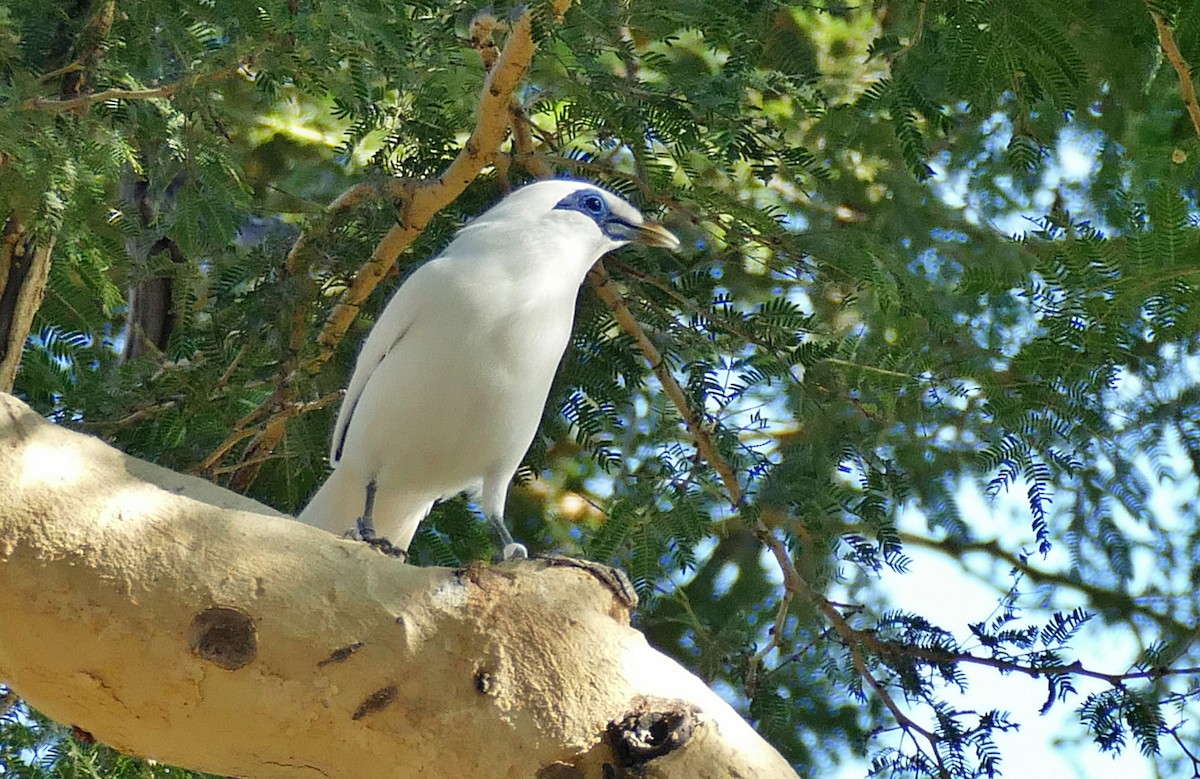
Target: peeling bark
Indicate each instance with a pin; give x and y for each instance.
(175, 620)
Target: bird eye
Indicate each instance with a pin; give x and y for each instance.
(593, 204)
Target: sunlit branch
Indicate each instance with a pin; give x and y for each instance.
(1187, 90)
(289, 411)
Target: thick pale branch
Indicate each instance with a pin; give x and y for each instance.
(178, 621)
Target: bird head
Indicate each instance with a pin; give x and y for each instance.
(616, 219)
(581, 210)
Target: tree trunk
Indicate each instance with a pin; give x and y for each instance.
(175, 620)
(24, 269)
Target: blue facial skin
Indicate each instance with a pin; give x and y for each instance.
(591, 204)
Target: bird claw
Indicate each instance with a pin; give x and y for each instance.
(365, 533)
(616, 580)
(514, 551)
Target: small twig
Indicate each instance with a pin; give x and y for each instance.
(1186, 89)
(801, 652)
(522, 142)
(343, 202)
(290, 411)
(922, 7)
(166, 90)
(132, 418)
(71, 67)
(218, 454)
(226, 469)
(868, 368)
(1174, 732)
(233, 365)
(775, 642)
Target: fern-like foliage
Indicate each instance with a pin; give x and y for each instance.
(851, 321)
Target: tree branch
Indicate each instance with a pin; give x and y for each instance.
(601, 283)
(166, 90)
(907, 723)
(282, 651)
(1098, 597)
(1187, 89)
(24, 271)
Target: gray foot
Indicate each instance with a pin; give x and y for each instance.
(364, 532)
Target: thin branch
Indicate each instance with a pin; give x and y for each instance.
(1187, 89)
(922, 7)
(1099, 597)
(283, 414)
(423, 200)
(604, 288)
(775, 642)
(522, 143)
(166, 90)
(870, 641)
(869, 368)
(938, 656)
(227, 374)
(146, 412)
(902, 719)
(71, 67)
(1174, 732)
(218, 454)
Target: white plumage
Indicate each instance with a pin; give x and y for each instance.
(448, 391)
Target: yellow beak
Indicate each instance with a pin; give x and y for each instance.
(654, 234)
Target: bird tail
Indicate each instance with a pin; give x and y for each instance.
(337, 505)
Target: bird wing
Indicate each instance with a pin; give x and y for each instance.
(398, 315)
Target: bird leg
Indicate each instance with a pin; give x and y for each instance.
(366, 523)
(364, 528)
(512, 550)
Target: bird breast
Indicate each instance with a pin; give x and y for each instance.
(460, 395)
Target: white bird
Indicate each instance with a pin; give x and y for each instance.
(451, 383)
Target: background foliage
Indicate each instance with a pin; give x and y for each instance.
(865, 323)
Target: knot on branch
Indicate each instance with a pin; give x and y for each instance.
(376, 701)
(652, 728)
(225, 637)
